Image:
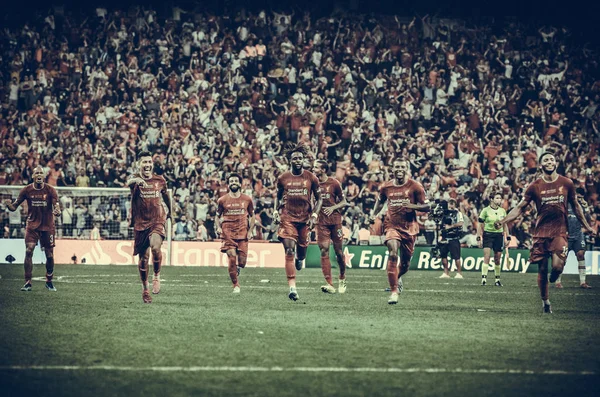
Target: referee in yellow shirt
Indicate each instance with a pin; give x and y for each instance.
(491, 238)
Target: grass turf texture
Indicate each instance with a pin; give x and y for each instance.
(97, 318)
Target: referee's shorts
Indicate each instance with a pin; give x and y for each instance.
(494, 241)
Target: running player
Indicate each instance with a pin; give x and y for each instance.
(42, 206)
(148, 216)
(404, 196)
(492, 238)
(577, 240)
(295, 191)
(329, 226)
(234, 223)
(552, 195)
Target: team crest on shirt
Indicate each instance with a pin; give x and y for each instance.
(305, 183)
(560, 190)
(44, 196)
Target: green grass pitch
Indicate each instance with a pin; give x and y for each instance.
(95, 337)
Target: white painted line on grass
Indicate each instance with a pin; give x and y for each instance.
(279, 285)
(292, 369)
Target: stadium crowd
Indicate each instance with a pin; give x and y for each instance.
(471, 106)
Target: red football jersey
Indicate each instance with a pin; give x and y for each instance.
(551, 201)
(297, 195)
(235, 213)
(39, 206)
(147, 207)
(398, 216)
(332, 194)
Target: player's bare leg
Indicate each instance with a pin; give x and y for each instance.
(242, 258)
(339, 256)
(392, 269)
(458, 268)
(328, 288)
(28, 266)
(289, 246)
(403, 268)
(143, 268)
(446, 268)
(487, 253)
(232, 268)
(497, 268)
(581, 267)
(155, 244)
(543, 284)
(49, 268)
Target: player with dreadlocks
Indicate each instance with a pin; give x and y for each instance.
(296, 190)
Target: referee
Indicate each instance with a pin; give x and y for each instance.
(492, 238)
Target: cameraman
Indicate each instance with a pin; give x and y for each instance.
(449, 241)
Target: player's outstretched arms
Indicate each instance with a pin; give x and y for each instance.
(512, 215)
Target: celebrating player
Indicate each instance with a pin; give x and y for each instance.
(404, 196)
(148, 218)
(552, 195)
(235, 222)
(42, 206)
(577, 240)
(492, 238)
(295, 191)
(329, 226)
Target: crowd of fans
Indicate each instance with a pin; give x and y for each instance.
(470, 106)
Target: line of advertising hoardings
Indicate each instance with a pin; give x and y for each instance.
(268, 255)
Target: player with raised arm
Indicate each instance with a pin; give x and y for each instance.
(148, 217)
(492, 238)
(404, 197)
(42, 206)
(234, 223)
(295, 191)
(577, 240)
(329, 226)
(552, 194)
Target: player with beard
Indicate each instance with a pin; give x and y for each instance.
(552, 194)
(295, 192)
(42, 206)
(148, 217)
(404, 196)
(329, 226)
(234, 223)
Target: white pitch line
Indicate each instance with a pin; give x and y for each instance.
(276, 285)
(292, 369)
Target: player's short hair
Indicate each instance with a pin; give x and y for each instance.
(234, 175)
(544, 155)
(144, 153)
(452, 201)
(323, 164)
(580, 191)
(399, 160)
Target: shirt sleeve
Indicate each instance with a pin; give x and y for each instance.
(483, 215)
(459, 217)
(530, 194)
(420, 197)
(220, 207)
(383, 193)
(54, 195)
(250, 208)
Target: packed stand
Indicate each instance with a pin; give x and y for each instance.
(470, 106)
